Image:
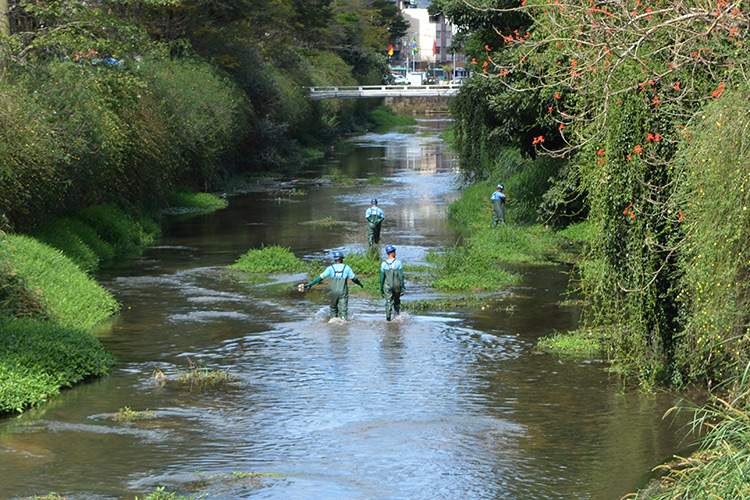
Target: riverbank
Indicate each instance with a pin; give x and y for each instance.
(50, 302)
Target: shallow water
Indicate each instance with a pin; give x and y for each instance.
(439, 405)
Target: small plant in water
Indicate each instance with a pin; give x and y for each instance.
(161, 494)
(126, 414)
(200, 378)
(51, 496)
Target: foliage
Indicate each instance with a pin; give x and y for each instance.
(618, 90)
(585, 343)
(269, 259)
(364, 264)
(70, 297)
(187, 198)
(719, 469)
(40, 357)
(710, 204)
(385, 118)
(127, 414)
(79, 237)
(160, 493)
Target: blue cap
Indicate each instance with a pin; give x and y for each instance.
(390, 248)
(338, 254)
(374, 200)
(500, 187)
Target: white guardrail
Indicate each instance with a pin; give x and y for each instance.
(322, 93)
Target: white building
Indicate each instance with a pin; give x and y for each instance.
(433, 35)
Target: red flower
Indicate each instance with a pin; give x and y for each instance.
(718, 91)
(484, 64)
(474, 61)
(600, 152)
(677, 85)
(487, 47)
(557, 96)
(537, 140)
(638, 149)
(562, 126)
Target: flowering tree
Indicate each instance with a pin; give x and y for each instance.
(618, 89)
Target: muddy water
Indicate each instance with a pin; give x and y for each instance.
(449, 405)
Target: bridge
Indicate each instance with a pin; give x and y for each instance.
(364, 91)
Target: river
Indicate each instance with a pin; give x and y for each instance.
(439, 405)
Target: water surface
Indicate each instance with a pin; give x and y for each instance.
(442, 405)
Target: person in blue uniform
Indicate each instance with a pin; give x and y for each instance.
(374, 216)
(498, 206)
(391, 282)
(339, 274)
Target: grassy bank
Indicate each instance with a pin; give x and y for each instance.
(49, 302)
(48, 306)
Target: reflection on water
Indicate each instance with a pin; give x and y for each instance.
(442, 405)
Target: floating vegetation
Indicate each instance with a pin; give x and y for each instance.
(195, 377)
(327, 222)
(376, 181)
(237, 479)
(448, 303)
(336, 176)
(51, 496)
(127, 414)
(161, 494)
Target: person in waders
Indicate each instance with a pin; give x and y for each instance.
(498, 206)
(374, 216)
(339, 274)
(391, 282)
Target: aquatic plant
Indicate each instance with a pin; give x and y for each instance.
(269, 259)
(161, 493)
(127, 414)
(585, 342)
(195, 377)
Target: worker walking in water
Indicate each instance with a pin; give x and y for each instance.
(339, 274)
(498, 206)
(374, 216)
(391, 282)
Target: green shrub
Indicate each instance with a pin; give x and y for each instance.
(40, 357)
(269, 259)
(71, 297)
(187, 198)
(113, 225)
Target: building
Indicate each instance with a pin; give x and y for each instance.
(433, 36)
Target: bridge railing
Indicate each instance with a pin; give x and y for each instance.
(360, 91)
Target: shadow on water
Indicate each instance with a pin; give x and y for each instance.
(440, 405)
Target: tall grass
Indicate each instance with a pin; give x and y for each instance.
(70, 296)
(722, 466)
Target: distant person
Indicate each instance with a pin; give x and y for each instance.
(498, 206)
(391, 282)
(339, 274)
(374, 216)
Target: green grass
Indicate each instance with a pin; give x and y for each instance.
(70, 296)
(584, 343)
(98, 234)
(161, 494)
(40, 357)
(384, 118)
(721, 466)
(269, 259)
(190, 199)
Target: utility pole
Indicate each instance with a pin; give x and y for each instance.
(4, 18)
